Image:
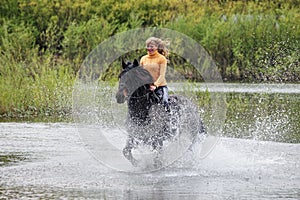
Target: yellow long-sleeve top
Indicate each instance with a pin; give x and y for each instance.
(156, 65)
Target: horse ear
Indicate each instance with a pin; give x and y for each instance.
(123, 64)
(135, 62)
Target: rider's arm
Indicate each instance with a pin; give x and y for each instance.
(161, 80)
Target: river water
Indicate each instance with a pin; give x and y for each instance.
(50, 161)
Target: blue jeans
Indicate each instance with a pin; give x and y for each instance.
(163, 93)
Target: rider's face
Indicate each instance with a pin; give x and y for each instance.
(151, 48)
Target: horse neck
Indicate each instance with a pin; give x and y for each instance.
(139, 104)
(137, 81)
(141, 92)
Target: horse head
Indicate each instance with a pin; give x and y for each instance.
(131, 78)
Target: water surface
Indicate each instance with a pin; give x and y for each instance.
(52, 162)
(255, 157)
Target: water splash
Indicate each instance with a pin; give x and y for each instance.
(262, 116)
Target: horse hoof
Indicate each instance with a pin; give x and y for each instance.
(127, 153)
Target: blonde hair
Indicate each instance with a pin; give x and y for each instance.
(161, 45)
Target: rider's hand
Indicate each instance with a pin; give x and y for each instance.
(152, 87)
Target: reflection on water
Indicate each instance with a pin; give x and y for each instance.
(259, 111)
(62, 168)
(271, 117)
(50, 161)
(14, 157)
(253, 111)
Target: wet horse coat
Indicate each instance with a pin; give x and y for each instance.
(148, 123)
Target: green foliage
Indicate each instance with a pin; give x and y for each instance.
(245, 47)
(17, 40)
(80, 39)
(44, 42)
(35, 89)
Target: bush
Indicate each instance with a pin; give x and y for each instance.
(43, 43)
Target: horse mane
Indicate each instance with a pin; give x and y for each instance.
(135, 78)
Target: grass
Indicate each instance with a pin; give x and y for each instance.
(35, 89)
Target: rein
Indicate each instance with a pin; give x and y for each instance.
(144, 95)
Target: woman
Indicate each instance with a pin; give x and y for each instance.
(155, 62)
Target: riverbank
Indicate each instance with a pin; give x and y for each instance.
(258, 111)
(43, 49)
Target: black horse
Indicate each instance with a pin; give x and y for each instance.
(148, 122)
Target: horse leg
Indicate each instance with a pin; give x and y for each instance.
(128, 154)
(173, 116)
